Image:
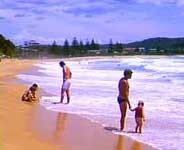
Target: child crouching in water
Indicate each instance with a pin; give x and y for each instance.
(139, 116)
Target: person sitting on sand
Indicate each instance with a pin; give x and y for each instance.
(139, 116)
(30, 95)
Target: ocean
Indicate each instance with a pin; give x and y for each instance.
(158, 81)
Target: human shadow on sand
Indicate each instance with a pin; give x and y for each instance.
(111, 129)
(59, 103)
(130, 132)
(117, 130)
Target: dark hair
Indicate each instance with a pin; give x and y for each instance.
(61, 63)
(35, 85)
(141, 103)
(127, 72)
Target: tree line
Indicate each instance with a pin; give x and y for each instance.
(75, 48)
(78, 48)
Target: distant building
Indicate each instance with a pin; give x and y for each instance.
(94, 52)
(28, 50)
(141, 50)
(99, 51)
(129, 50)
(162, 51)
(152, 50)
(31, 43)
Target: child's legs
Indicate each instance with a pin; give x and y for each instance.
(139, 122)
(140, 125)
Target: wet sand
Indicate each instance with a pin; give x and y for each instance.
(29, 126)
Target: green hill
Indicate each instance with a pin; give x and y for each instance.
(7, 47)
(159, 43)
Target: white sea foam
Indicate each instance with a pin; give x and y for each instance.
(167, 66)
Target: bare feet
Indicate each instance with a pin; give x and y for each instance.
(122, 130)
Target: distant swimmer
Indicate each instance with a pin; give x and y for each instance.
(123, 97)
(139, 116)
(67, 75)
(30, 94)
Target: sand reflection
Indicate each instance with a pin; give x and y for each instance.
(125, 144)
(60, 126)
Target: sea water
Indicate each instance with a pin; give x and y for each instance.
(158, 81)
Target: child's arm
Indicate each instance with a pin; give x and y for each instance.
(133, 109)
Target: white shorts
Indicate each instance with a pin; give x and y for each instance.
(66, 84)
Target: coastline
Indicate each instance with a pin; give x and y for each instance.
(30, 126)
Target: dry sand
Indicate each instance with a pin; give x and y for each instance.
(28, 126)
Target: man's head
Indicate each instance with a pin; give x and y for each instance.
(61, 63)
(128, 73)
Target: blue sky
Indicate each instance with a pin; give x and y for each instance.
(122, 20)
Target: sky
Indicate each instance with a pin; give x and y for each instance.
(120, 20)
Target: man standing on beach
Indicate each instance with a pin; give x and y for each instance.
(123, 97)
(67, 75)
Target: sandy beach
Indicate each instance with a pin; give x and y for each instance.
(29, 126)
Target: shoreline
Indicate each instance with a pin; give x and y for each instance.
(33, 126)
(79, 58)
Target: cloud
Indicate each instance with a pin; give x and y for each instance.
(40, 18)
(75, 7)
(118, 19)
(19, 15)
(7, 13)
(92, 11)
(180, 2)
(163, 2)
(24, 35)
(2, 18)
